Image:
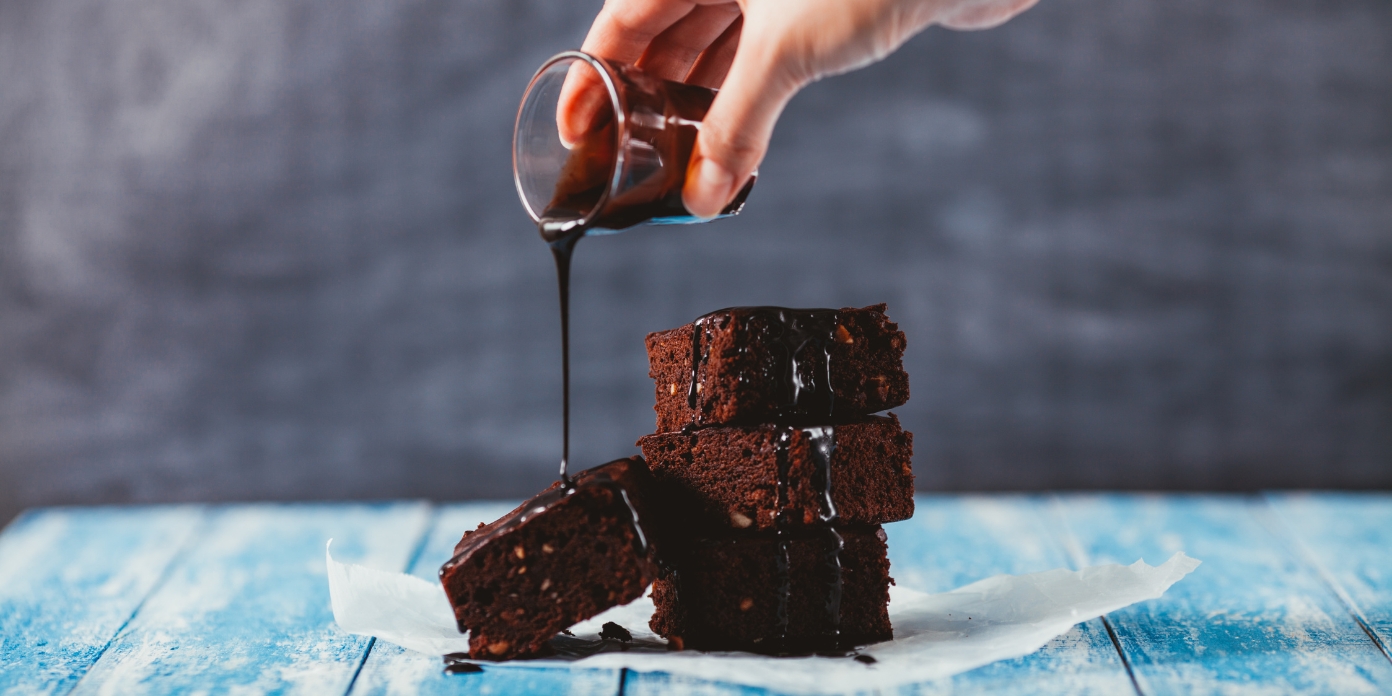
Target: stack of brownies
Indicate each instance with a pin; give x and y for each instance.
(778, 477)
(756, 518)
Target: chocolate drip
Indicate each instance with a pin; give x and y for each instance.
(780, 532)
(834, 584)
(562, 249)
(822, 443)
(801, 334)
(640, 537)
(697, 328)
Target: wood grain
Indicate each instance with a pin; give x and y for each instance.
(955, 540)
(247, 608)
(70, 578)
(1348, 539)
(233, 599)
(1251, 619)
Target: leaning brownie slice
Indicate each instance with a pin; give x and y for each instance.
(559, 558)
(766, 594)
(741, 477)
(754, 364)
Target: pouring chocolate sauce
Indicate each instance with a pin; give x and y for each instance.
(627, 164)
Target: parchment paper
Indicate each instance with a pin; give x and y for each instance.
(935, 635)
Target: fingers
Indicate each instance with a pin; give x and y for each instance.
(736, 131)
(672, 53)
(625, 28)
(984, 15)
(623, 31)
(710, 69)
(583, 104)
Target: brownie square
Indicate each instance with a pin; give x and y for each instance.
(775, 595)
(741, 477)
(756, 364)
(560, 558)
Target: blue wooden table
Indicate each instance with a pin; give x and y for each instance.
(1294, 595)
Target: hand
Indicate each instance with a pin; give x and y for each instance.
(759, 53)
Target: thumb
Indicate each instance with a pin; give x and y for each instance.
(736, 130)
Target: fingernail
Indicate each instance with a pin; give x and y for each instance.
(711, 190)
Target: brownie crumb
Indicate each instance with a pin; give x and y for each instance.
(866, 659)
(613, 631)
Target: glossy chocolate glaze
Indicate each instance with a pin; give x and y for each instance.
(823, 446)
(822, 442)
(561, 250)
(805, 337)
(780, 532)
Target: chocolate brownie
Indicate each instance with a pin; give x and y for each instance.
(775, 594)
(564, 556)
(756, 364)
(740, 477)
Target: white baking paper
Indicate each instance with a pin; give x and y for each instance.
(935, 635)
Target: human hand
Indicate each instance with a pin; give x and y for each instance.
(759, 53)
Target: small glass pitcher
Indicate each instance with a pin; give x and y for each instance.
(601, 146)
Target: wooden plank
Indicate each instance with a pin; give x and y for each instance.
(1251, 619)
(390, 669)
(1348, 538)
(955, 540)
(952, 541)
(247, 608)
(646, 683)
(70, 578)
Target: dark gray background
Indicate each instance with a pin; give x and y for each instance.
(271, 249)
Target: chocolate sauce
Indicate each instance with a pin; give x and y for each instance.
(698, 327)
(801, 373)
(638, 534)
(561, 250)
(651, 150)
(780, 532)
(822, 444)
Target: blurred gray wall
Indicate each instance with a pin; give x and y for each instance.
(271, 249)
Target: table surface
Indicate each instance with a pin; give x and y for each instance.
(1294, 595)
